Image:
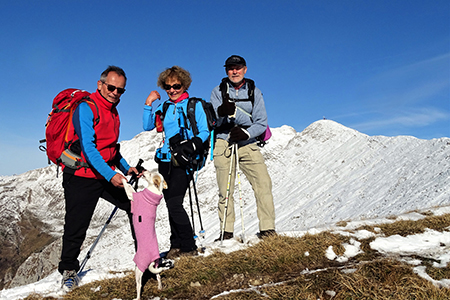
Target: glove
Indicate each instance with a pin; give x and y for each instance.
(238, 134)
(227, 108)
(186, 149)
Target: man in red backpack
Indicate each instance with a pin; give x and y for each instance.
(97, 145)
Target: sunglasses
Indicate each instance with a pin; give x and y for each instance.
(112, 88)
(175, 86)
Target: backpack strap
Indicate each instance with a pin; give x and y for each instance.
(95, 112)
(251, 90)
(166, 105)
(190, 115)
(164, 109)
(90, 101)
(70, 154)
(225, 90)
(192, 103)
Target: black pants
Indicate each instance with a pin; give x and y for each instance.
(81, 195)
(182, 236)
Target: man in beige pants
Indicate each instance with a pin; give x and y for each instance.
(242, 117)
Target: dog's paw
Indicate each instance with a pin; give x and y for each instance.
(129, 190)
(124, 182)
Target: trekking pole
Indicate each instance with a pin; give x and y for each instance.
(192, 212)
(211, 145)
(88, 255)
(202, 231)
(134, 179)
(226, 198)
(240, 193)
(189, 174)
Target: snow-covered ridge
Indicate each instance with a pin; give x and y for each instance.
(322, 175)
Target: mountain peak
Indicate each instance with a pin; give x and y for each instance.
(324, 130)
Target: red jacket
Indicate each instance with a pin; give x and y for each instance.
(98, 142)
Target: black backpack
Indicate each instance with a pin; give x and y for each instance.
(211, 121)
(223, 87)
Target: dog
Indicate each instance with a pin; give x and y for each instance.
(143, 208)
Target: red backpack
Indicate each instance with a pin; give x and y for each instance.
(59, 132)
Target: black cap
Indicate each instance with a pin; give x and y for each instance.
(235, 60)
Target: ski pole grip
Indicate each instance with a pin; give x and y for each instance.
(139, 168)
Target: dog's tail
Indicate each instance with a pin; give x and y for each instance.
(162, 264)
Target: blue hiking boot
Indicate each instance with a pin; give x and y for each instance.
(70, 280)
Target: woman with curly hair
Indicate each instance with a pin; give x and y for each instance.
(178, 149)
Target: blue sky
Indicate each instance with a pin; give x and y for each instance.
(380, 67)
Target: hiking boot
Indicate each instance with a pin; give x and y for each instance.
(226, 236)
(70, 280)
(265, 233)
(189, 253)
(173, 253)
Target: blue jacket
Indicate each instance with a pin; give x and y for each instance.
(255, 125)
(174, 122)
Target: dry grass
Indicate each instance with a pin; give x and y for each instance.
(404, 228)
(275, 269)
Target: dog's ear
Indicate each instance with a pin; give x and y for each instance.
(157, 181)
(162, 183)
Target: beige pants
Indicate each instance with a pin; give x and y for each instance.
(252, 164)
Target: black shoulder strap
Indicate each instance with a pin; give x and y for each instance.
(251, 90)
(165, 108)
(191, 114)
(223, 87)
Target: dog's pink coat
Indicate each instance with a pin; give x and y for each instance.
(144, 206)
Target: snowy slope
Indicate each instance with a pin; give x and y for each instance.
(323, 175)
